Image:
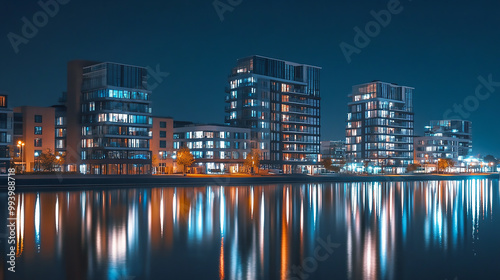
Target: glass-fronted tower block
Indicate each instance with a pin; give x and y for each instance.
(379, 131)
(280, 101)
(116, 120)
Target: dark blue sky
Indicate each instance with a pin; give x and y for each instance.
(438, 47)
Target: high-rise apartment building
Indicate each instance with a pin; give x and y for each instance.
(379, 130)
(108, 118)
(280, 102)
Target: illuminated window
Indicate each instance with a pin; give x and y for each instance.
(102, 117)
(38, 142)
(60, 132)
(198, 145)
(209, 144)
(208, 134)
(209, 154)
(60, 144)
(198, 134)
(38, 130)
(60, 121)
(285, 88)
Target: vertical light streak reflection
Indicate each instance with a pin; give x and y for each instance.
(284, 236)
(261, 233)
(174, 208)
(287, 205)
(132, 225)
(57, 214)
(349, 246)
(251, 202)
(301, 219)
(314, 203)
(369, 258)
(37, 222)
(20, 226)
(491, 201)
(199, 217)
(222, 213)
(117, 252)
(149, 217)
(83, 204)
(161, 213)
(383, 242)
(221, 259)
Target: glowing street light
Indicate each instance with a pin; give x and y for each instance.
(20, 145)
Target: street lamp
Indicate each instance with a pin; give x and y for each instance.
(58, 163)
(20, 145)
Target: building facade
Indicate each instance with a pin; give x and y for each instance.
(429, 149)
(6, 130)
(162, 145)
(216, 148)
(379, 131)
(280, 102)
(115, 121)
(334, 150)
(33, 135)
(460, 130)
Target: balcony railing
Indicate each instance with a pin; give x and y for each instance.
(298, 101)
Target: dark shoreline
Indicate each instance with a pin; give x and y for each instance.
(65, 182)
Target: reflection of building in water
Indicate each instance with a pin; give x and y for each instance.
(254, 232)
(381, 220)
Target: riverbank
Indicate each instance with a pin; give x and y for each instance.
(48, 182)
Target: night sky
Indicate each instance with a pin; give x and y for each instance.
(438, 47)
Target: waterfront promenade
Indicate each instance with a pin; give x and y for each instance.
(58, 181)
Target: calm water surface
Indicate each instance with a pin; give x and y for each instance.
(380, 230)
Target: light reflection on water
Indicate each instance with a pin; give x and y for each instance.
(385, 230)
